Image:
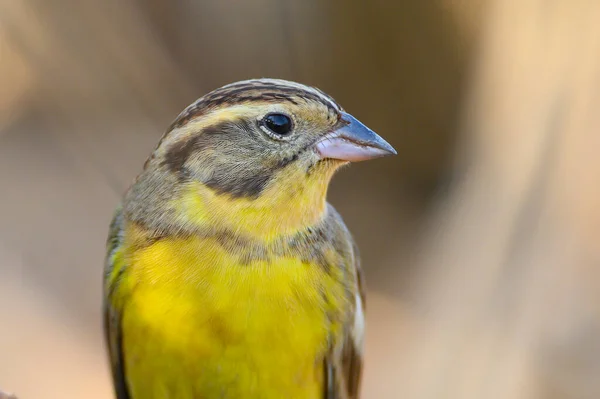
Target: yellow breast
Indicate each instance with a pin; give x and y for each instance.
(197, 323)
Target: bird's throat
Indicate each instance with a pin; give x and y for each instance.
(292, 202)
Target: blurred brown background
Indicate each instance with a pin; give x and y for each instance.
(480, 240)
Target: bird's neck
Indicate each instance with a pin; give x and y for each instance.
(284, 210)
(294, 201)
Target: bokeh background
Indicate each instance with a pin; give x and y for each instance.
(481, 240)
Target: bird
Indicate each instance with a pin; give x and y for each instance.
(227, 272)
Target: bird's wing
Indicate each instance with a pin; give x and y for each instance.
(343, 373)
(112, 315)
(352, 358)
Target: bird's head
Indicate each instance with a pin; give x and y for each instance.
(258, 155)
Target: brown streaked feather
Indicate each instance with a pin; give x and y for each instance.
(352, 361)
(249, 91)
(343, 375)
(254, 90)
(112, 317)
(113, 337)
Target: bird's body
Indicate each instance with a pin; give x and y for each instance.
(256, 325)
(228, 275)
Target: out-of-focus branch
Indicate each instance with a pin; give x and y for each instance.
(509, 294)
(7, 396)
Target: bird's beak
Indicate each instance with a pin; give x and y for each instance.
(353, 142)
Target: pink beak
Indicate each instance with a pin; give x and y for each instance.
(353, 142)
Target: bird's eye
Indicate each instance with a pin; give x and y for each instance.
(279, 124)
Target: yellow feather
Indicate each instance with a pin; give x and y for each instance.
(292, 202)
(213, 326)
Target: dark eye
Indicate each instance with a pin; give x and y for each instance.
(279, 124)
